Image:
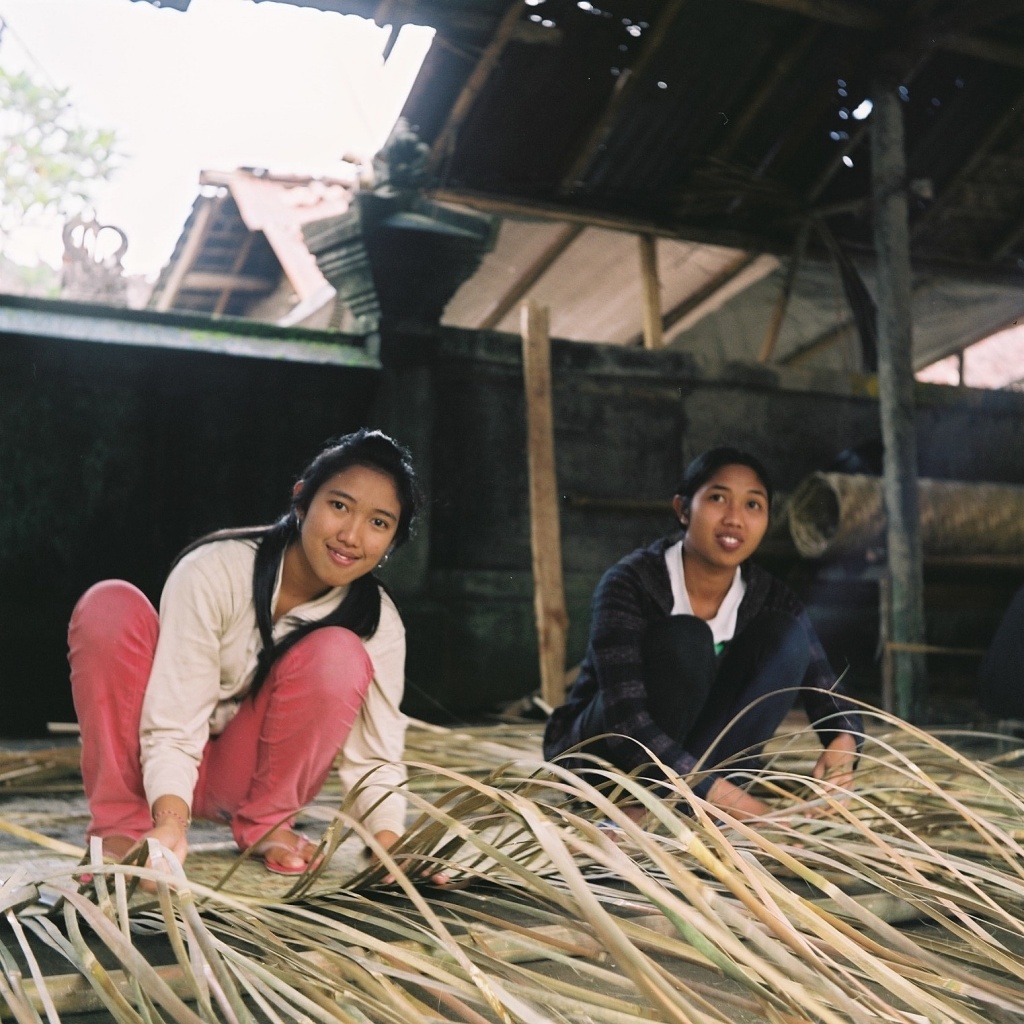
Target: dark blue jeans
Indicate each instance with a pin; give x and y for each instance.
(706, 703)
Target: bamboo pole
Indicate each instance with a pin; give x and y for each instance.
(896, 397)
(545, 536)
(653, 336)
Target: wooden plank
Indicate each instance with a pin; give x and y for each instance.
(847, 13)
(545, 534)
(532, 209)
(896, 398)
(236, 269)
(446, 138)
(194, 242)
(531, 275)
(211, 281)
(650, 292)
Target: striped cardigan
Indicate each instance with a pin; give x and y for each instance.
(633, 594)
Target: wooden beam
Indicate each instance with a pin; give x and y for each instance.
(841, 332)
(765, 95)
(832, 12)
(531, 275)
(189, 251)
(896, 395)
(978, 155)
(535, 210)
(857, 16)
(236, 268)
(1008, 241)
(779, 313)
(650, 292)
(624, 86)
(445, 140)
(705, 294)
(545, 534)
(207, 281)
(992, 50)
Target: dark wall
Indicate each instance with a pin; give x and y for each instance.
(114, 457)
(626, 424)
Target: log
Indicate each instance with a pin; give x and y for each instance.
(836, 514)
(73, 994)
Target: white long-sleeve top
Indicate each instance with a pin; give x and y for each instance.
(204, 665)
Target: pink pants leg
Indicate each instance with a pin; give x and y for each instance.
(275, 754)
(272, 758)
(111, 641)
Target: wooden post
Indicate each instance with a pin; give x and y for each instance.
(885, 642)
(545, 536)
(896, 397)
(653, 334)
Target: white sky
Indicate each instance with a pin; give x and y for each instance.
(228, 83)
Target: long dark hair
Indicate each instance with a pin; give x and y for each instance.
(359, 611)
(708, 463)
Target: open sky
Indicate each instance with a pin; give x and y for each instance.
(228, 83)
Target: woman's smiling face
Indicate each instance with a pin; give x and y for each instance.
(726, 519)
(348, 528)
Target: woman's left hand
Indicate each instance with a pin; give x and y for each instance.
(387, 839)
(837, 760)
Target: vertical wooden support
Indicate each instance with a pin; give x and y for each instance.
(653, 333)
(545, 536)
(884, 643)
(896, 397)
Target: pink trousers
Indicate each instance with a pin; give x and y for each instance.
(272, 757)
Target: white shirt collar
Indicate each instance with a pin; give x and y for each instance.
(723, 625)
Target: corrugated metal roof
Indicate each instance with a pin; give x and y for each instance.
(734, 123)
(594, 287)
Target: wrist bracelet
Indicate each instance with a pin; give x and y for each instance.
(172, 814)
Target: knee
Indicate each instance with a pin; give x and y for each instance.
(680, 648)
(785, 642)
(107, 610)
(331, 661)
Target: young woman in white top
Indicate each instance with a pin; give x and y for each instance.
(275, 648)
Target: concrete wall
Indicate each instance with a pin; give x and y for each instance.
(626, 424)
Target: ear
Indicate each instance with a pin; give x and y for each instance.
(297, 489)
(679, 506)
